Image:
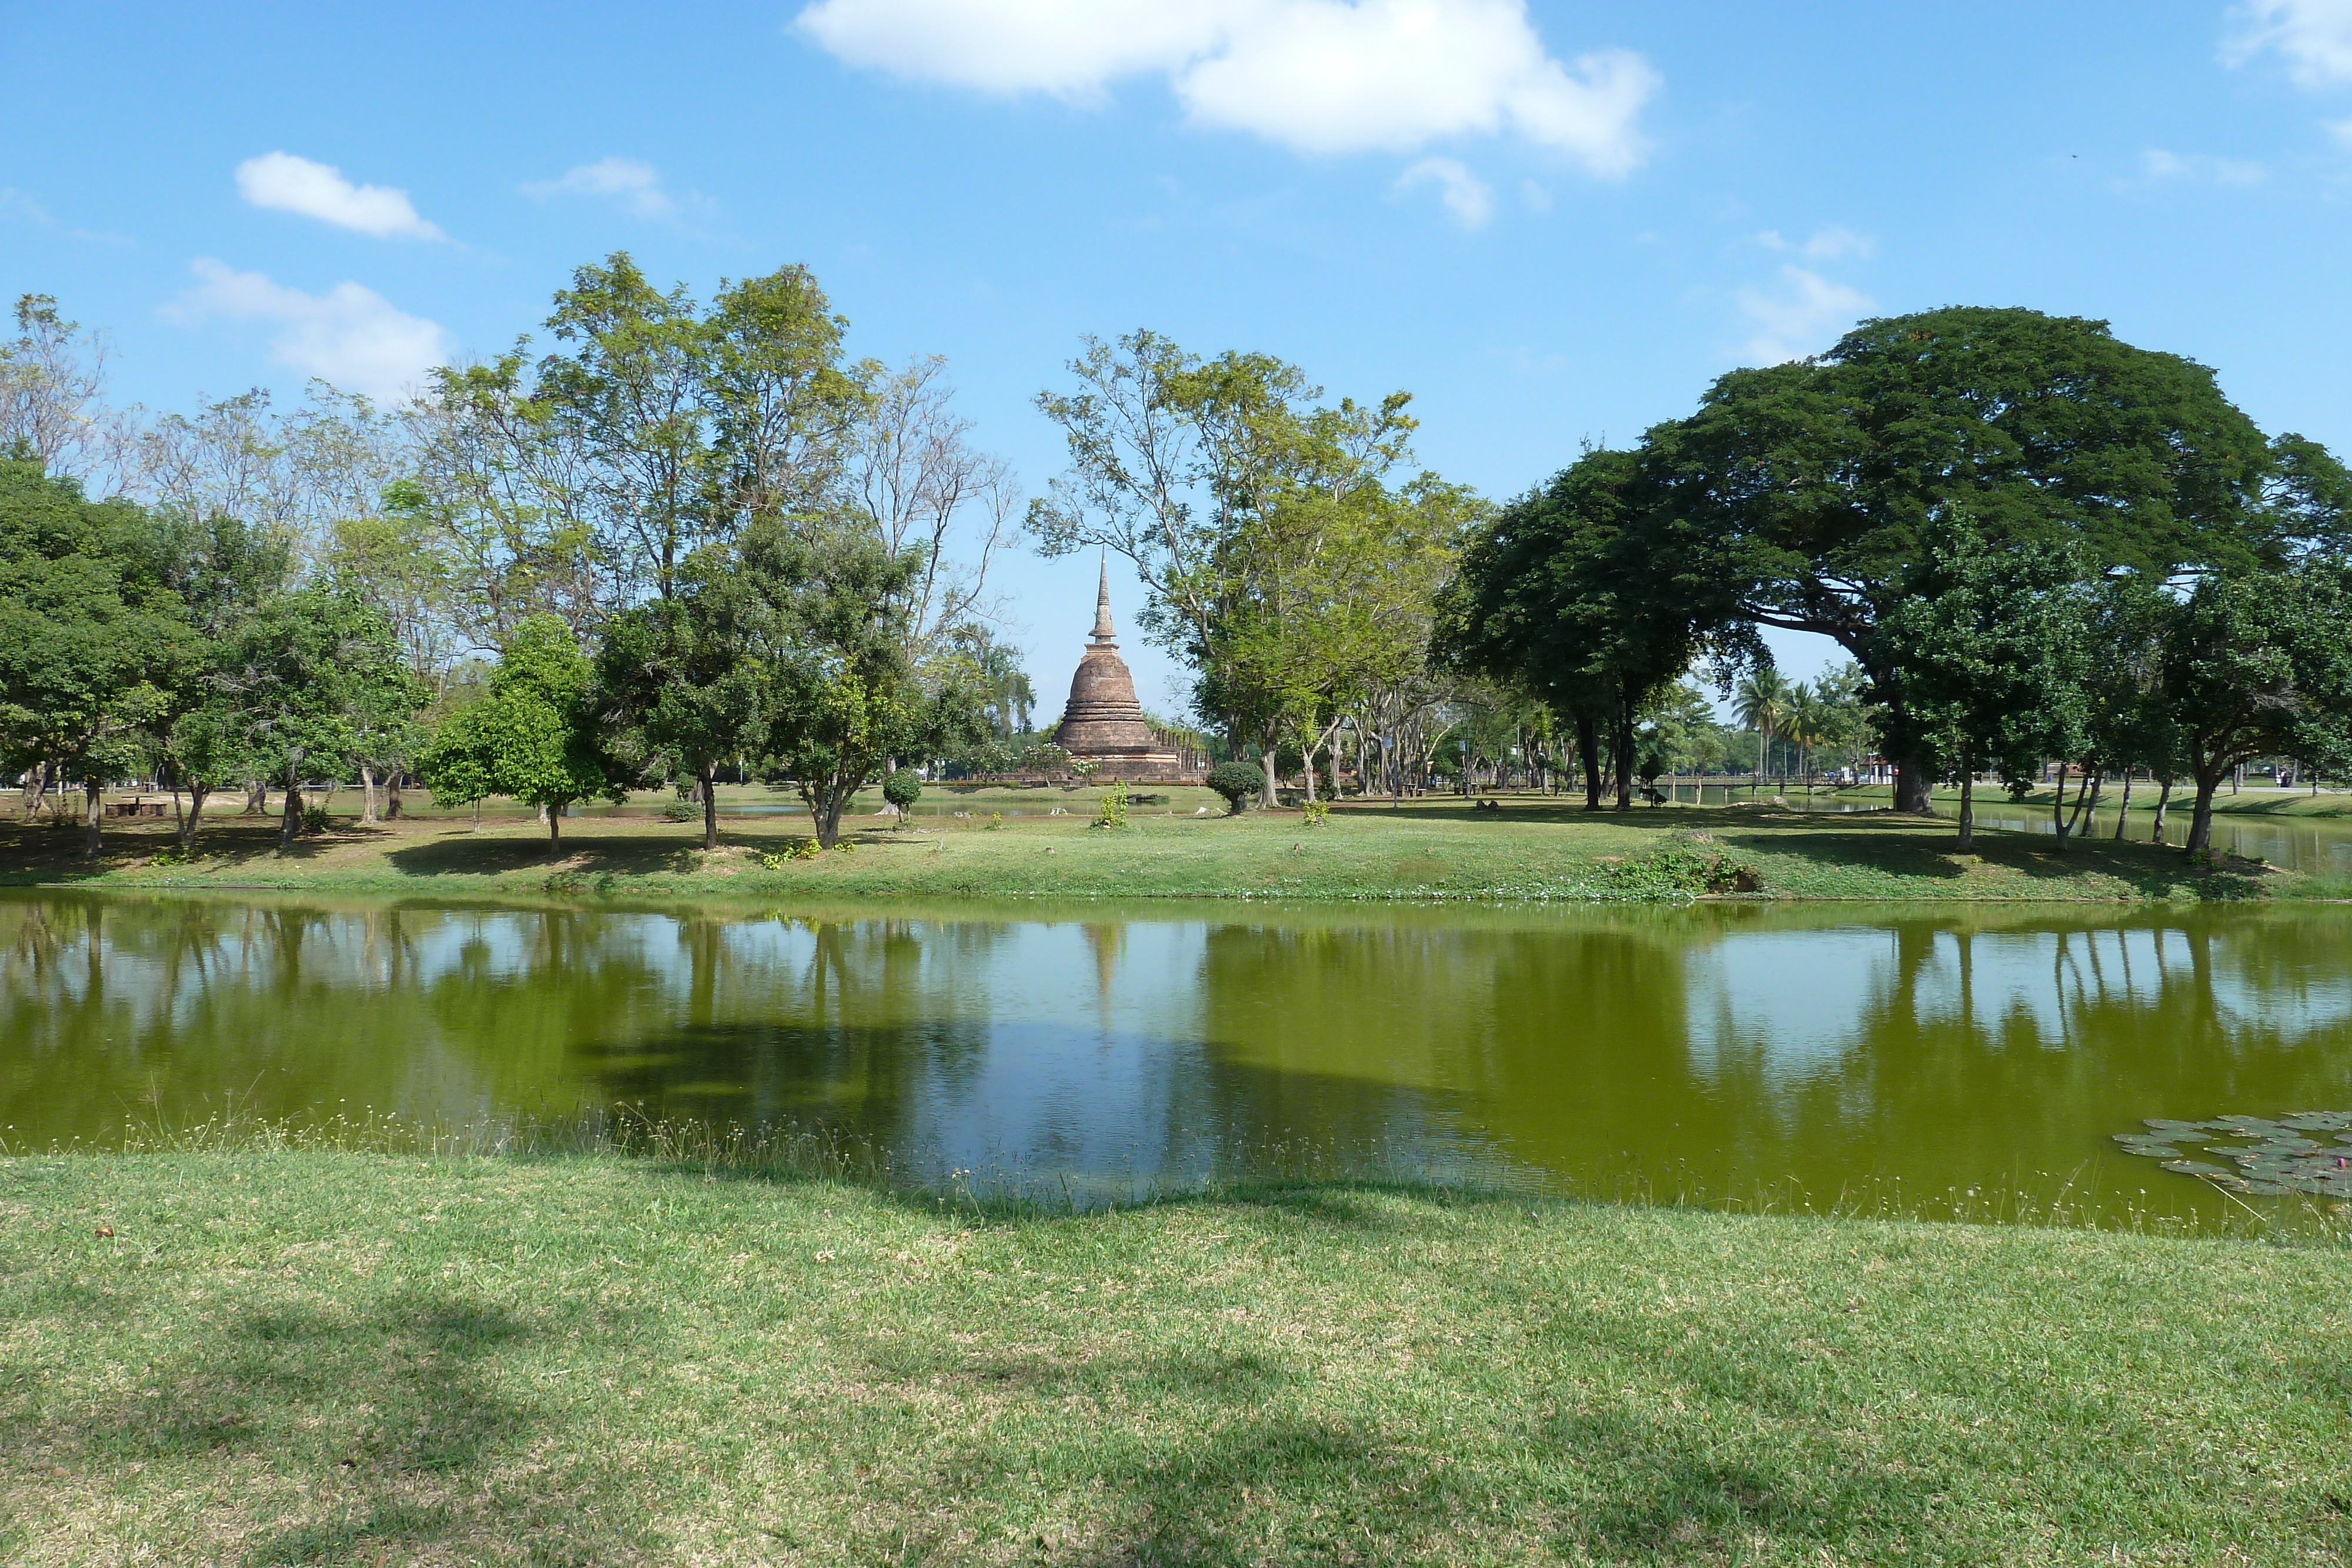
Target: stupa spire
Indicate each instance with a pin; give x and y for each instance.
(1103, 633)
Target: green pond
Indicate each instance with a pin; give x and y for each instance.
(1924, 1060)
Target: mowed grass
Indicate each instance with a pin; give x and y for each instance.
(320, 1357)
(1533, 848)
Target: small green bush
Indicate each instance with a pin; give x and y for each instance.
(1236, 781)
(902, 789)
(679, 809)
(1316, 812)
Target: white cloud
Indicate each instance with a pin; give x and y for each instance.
(2155, 163)
(288, 183)
(1803, 315)
(1463, 193)
(1831, 244)
(1538, 200)
(350, 335)
(2341, 130)
(1315, 75)
(632, 181)
(2315, 37)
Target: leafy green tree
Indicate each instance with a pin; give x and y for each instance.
(536, 736)
(1237, 497)
(1990, 653)
(303, 681)
(223, 570)
(2257, 665)
(1562, 596)
(92, 636)
(902, 789)
(844, 697)
(691, 673)
(1815, 488)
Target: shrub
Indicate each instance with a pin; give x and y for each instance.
(1113, 805)
(902, 789)
(1236, 781)
(679, 809)
(1316, 812)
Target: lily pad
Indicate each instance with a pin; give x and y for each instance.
(2195, 1167)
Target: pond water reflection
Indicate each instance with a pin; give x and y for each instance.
(1710, 1050)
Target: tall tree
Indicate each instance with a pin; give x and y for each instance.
(1228, 485)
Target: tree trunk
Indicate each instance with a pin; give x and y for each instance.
(555, 825)
(1967, 803)
(1270, 797)
(257, 798)
(291, 817)
(94, 794)
(2123, 811)
(1911, 791)
(1588, 746)
(2084, 822)
(478, 814)
(826, 810)
(368, 818)
(2201, 821)
(35, 782)
(2058, 807)
(197, 793)
(391, 795)
(709, 779)
(1624, 747)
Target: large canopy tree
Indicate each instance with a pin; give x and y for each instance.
(1815, 486)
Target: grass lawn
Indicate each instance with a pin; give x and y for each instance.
(1533, 849)
(315, 1357)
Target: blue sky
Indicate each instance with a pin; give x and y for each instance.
(1548, 222)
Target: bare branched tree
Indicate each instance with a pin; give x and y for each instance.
(52, 398)
(918, 475)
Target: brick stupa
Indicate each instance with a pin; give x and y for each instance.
(1104, 724)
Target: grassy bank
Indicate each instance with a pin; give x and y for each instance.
(306, 1357)
(1531, 849)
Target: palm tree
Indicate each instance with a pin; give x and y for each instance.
(1812, 721)
(1762, 703)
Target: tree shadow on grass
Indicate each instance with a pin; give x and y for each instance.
(1656, 1493)
(391, 1418)
(41, 853)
